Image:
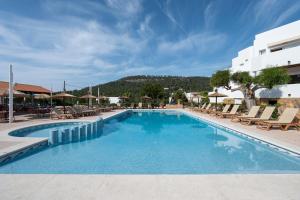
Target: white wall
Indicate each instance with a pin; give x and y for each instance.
(243, 61)
(114, 100)
(278, 58)
(282, 91)
(190, 97)
(256, 62)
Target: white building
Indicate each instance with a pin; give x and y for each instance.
(276, 47)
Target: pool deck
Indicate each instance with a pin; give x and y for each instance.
(235, 186)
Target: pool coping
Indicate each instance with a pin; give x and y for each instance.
(26, 143)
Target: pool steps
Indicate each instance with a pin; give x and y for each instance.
(76, 134)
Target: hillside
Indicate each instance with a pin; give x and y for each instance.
(134, 85)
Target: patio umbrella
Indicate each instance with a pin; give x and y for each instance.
(216, 94)
(16, 93)
(42, 96)
(88, 97)
(62, 96)
(103, 98)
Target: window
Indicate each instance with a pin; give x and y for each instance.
(277, 49)
(289, 62)
(246, 60)
(295, 79)
(272, 102)
(241, 64)
(262, 52)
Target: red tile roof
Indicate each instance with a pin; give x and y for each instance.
(25, 88)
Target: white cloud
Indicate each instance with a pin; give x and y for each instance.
(209, 15)
(201, 42)
(145, 29)
(293, 9)
(125, 8)
(74, 48)
(166, 10)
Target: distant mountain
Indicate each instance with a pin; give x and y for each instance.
(134, 85)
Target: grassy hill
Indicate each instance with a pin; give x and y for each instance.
(134, 85)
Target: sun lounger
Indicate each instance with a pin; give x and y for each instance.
(206, 108)
(286, 120)
(199, 108)
(225, 110)
(232, 113)
(58, 114)
(266, 115)
(73, 112)
(252, 113)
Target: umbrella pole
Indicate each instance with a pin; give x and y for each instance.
(216, 103)
(64, 105)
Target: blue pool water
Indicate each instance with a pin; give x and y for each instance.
(43, 130)
(158, 143)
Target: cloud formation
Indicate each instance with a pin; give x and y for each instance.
(91, 42)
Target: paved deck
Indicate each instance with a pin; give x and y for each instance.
(114, 187)
(137, 187)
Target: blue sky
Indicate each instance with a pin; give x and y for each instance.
(87, 42)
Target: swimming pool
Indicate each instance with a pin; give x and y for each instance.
(164, 142)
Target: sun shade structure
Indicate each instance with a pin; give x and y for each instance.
(62, 96)
(88, 96)
(16, 93)
(42, 96)
(216, 94)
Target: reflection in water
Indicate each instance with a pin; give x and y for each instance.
(216, 138)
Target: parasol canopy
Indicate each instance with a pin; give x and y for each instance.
(216, 94)
(88, 96)
(63, 95)
(16, 93)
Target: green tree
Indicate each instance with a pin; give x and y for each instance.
(153, 90)
(179, 95)
(268, 78)
(221, 79)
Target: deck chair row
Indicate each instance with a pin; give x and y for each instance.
(286, 120)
